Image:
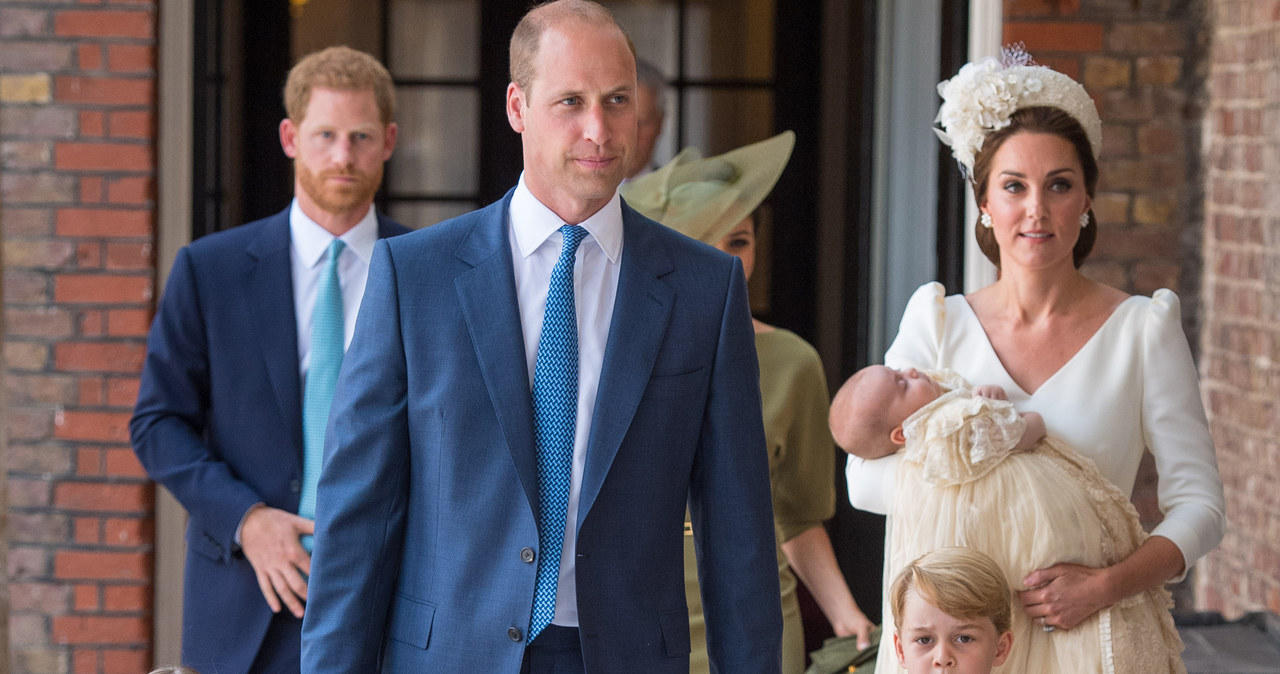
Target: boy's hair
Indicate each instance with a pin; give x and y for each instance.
(343, 69)
(859, 423)
(960, 582)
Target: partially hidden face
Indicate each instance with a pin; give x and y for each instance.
(1035, 196)
(577, 118)
(338, 149)
(648, 126)
(741, 243)
(930, 641)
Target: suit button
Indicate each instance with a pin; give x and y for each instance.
(295, 486)
(514, 633)
(526, 555)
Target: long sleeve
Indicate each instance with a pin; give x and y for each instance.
(730, 509)
(794, 393)
(172, 414)
(919, 334)
(1176, 430)
(364, 479)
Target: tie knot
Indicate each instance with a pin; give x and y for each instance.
(573, 235)
(335, 249)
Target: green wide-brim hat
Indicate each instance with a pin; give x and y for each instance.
(705, 198)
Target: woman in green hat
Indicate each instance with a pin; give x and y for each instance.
(713, 200)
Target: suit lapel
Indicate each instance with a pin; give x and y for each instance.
(271, 283)
(487, 297)
(641, 311)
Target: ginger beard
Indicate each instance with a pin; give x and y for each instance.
(339, 190)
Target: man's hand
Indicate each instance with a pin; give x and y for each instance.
(269, 538)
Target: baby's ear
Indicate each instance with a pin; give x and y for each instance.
(897, 436)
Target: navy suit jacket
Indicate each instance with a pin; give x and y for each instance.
(427, 531)
(218, 421)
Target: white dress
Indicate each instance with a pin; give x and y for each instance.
(1132, 385)
(962, 484)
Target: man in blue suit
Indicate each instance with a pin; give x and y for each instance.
(248, 318)
(448, 538)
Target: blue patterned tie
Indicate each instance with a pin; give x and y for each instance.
(555, 416)
(322, 376)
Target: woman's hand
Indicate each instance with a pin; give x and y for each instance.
(855, 623)
(1064, 595)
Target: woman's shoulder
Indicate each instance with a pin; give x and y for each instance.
(930, 307)
(1162, 308)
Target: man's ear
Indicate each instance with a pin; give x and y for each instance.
(389, 136)
(897, 436)
(515, 107)
(289, 138)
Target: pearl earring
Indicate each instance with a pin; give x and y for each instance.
(985, 219)
(1084, 220)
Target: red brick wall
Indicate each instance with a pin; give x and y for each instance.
(1140, 60)
(77, 183)
(1241, 345)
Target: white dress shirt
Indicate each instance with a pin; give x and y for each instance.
(535, 246)
(309, 256)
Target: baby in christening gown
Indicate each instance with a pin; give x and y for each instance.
(965, 482)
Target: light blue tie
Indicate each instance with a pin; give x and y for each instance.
(555, 416)
(322, 376)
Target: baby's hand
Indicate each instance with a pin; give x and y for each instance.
(1035, 431)
(989, 391)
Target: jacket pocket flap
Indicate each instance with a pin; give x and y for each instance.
(410, 621)
(675, 632)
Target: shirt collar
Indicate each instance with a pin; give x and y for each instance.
(532, 223)
(311, 241)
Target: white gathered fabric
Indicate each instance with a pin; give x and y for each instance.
(960, 484)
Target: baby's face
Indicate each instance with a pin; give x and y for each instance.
(930, 641)
(906, 390)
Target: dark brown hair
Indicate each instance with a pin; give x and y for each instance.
(1037, 119)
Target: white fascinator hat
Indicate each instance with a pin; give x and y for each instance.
(983, 96)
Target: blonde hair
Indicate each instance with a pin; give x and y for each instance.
(341, 68)
(528, 33)
(960, 582)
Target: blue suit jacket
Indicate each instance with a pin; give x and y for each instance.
(428, 496)
(218, 421)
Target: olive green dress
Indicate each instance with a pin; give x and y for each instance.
(801, 471)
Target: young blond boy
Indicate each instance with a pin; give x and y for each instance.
(952, 608)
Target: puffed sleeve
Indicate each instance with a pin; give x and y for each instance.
(919, 334)
(1177, 433)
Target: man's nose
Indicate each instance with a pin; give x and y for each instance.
(594, 127)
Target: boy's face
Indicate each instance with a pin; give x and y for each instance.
(928, 640)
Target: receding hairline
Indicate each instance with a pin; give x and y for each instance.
(526, 39)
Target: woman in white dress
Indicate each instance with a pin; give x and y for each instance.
(1110, 373)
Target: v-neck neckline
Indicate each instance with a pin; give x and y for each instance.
(991, 350)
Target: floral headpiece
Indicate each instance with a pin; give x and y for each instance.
(984, 94)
